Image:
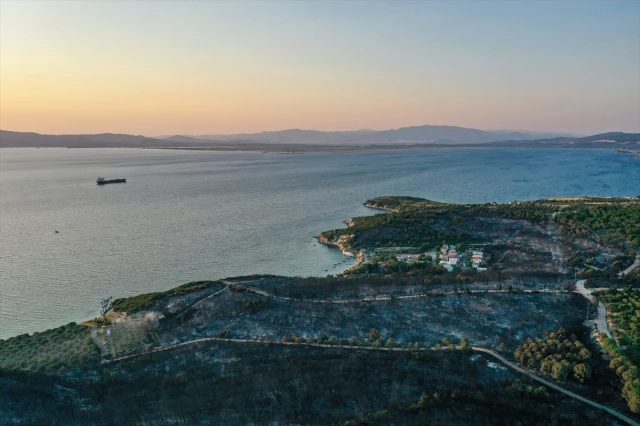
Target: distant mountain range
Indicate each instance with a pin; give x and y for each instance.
(102, 140)
(305, 140)
(414, 134)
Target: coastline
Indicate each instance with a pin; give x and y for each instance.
(382, 208)
(342, 245)
(359, 261)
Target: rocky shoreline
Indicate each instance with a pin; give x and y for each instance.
(342, 243)
(379, 207)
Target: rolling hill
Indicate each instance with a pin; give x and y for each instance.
(313, 140)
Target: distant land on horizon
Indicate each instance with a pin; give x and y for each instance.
(295, 140)
(412, 134)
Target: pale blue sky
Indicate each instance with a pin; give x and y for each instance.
(214, 67)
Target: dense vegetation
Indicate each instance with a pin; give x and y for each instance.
(49, 351)
(624, 309)
(407, 228)
(397, 202)
(612, 222)
(144, 301)
(534, 211)
(557, 354)
(626, 371)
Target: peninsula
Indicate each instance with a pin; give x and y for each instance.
(455, 314)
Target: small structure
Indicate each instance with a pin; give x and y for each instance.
(107, 329)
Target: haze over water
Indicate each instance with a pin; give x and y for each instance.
(186, 216)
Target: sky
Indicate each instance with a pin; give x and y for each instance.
(215, 67)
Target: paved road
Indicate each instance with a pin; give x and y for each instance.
(580, 288)
(601, 320)
(489, 352)
(603, 326)
(633, 266)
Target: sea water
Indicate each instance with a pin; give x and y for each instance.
(187, 215)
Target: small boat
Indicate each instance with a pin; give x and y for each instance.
(103, 181)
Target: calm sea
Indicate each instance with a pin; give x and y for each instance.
(186, 216)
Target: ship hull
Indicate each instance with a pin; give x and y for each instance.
(104, 182)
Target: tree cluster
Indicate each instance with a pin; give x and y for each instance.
(557, 354)
(616, 222)
(626, 371)
(624, 306)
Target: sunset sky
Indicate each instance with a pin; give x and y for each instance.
(177, 67)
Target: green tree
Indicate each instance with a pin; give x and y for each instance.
(390, 343)
(547, 365)
(630, 374)
(561, 370)
(582, 372)
(465, 346)
(631, 392)
(374, 334)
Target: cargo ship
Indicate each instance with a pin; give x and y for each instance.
(103, 181)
